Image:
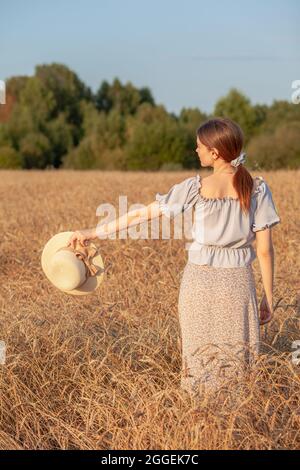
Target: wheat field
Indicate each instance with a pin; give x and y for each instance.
(103, 371)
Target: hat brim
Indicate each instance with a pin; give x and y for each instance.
(61, 240)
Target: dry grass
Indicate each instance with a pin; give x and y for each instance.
(103, 371)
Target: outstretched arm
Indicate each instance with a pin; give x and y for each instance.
(134, 217)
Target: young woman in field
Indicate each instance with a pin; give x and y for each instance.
(218, 310)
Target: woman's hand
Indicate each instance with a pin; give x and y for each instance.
(266, 311)
(83, 237)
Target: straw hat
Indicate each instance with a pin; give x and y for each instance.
(77, 271)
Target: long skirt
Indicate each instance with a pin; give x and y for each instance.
(219, 323)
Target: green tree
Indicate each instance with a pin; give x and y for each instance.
(190, 119)
(103, 141)
(154, 140)
(67, 88)
(83, 156)
(278, 149)
(35, 148)
(14, 85)
(237, 107)
(124, 98)
(31, 113)
(60, 134)
(278, 113)
(10, 158)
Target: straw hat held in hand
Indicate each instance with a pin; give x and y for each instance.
(72, 263)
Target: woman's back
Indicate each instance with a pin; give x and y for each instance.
(222, 234)
(218, 186)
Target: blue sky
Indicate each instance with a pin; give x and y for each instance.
(189, 53)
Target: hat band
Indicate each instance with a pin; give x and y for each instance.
(86, 254)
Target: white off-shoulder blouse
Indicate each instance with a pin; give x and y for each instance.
(222, 234)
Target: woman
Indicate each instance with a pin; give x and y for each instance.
(218, 310)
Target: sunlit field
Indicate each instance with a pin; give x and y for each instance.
(102, 371)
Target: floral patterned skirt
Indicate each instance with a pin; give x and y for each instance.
(219, 323)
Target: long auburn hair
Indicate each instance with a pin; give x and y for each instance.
(227, 137)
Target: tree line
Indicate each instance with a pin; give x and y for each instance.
(53, 120)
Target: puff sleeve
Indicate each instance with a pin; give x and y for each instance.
(180, 197)
(265, 214)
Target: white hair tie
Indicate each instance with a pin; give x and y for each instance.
(240, 159)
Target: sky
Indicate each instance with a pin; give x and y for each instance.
(189, 53)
